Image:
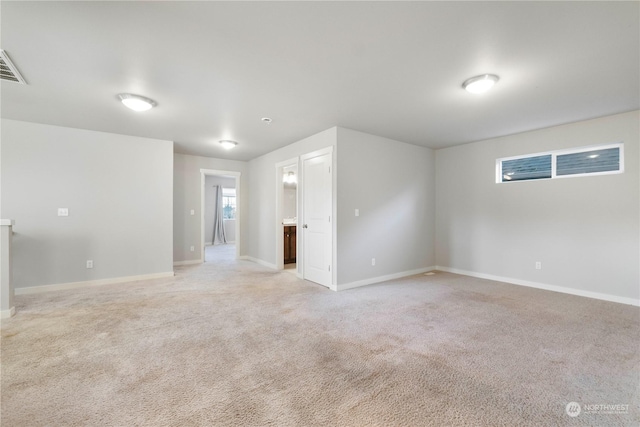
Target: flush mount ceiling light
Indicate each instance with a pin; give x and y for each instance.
(228, 144)
(480, 84)
(267, 120)
(137, 102)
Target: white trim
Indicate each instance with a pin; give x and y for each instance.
(7, 222)
(5, 314)
(384, 278)
(228, 174)
(553, 288)
(187, 262)
(259, 261)
(90, 283)
(317, 153)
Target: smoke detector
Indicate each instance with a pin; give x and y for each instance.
(8, 71)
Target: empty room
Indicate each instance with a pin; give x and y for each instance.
(319, 213)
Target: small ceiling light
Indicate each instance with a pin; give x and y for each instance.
(480, 84)
(228, 144)
(137, 102)
(267, 120)
(290, 178)
(593, 156)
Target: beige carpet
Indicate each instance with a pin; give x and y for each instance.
(231, 343)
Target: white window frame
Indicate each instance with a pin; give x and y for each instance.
(554, 155)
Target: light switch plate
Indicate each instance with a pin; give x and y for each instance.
(63, 211)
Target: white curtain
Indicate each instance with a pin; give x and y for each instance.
(218, 219)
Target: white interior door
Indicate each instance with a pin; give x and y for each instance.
(317, 209)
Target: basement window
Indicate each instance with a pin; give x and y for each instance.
(585, 161)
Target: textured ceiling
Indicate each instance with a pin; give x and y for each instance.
(393, 69)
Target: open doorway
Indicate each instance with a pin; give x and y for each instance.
(220, 215)
(287, 247)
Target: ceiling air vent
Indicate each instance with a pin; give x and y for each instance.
(8, 71)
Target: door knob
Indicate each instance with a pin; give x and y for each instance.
(305, 226)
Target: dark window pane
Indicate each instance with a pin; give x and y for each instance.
(588, 162)
(537, 167)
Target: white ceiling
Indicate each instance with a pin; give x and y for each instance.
(393, 69)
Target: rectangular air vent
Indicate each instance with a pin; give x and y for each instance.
(8, 71)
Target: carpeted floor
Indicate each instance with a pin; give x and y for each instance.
(214, 253)
(231, 343)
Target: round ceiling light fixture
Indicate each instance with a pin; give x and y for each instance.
(480, 84)
(137, 102)
(267, 120)
(228, 144)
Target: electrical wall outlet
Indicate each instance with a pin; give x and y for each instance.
(89, 263)
(193, 212)
(357, 212)
(538, 265)
(63, 211)
(373, 261)
(193, 248)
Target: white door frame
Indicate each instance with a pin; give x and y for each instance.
(227, 174)
(334, 209)
(279, 227)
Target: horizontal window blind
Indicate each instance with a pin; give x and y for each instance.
(604, 159)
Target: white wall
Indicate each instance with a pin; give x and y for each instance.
(187, 183)
(392, 184)
(210, 208)
(262, 181)
(118, 190)
(584, 230)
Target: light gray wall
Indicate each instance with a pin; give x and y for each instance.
(584, 230)
(393, 186)
(118, 190)
(262, 221)
(210, 208)
(186, 184)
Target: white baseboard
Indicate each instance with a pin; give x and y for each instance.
(188, 262)
(379, 279)
(5, 314)
(90, 283)
(258, 261)
(561, 289)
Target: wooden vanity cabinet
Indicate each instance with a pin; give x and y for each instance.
(289, 244)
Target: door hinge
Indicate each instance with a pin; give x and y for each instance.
(329, 169)
(329, 268)
(329, 218)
